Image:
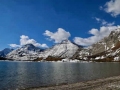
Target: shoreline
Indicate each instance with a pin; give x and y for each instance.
(110, 83)
(62, 61)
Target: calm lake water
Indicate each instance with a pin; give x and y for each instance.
(17, 75)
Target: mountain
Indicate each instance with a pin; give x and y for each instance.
(26, 52)
(107, 49)
(65, 49)
(4, 52)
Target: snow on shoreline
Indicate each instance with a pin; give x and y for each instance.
(63, 60)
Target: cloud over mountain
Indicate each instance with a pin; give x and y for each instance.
(96, 35)
(57, 36)
(26, 40)
(14, 45)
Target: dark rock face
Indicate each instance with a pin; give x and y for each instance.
(2, 58)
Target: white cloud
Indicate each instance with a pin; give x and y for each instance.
(26, 40)
(111, 24)
(103, 22)
(113, 7)
(14, 45)
(98, 19)
(58, 36)
(96, 35)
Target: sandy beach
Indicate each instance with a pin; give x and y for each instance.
(111, 83)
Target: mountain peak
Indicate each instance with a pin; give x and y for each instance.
(117, 31)
(66, 41)
(28, 45)
(65, 49)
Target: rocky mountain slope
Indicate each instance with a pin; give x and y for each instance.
(65, 49)
(107, 49)
(26, 52)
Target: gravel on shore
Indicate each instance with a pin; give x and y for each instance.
(111, 83)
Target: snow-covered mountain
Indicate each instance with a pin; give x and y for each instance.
(5, 51)
(26, 52)
(65, 49)
(107, 49)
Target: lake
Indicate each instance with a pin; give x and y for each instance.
(18, 75)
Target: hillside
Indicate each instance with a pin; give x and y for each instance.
(107, 49)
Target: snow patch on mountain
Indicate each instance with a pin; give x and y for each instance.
(26, 52)
(65, 49)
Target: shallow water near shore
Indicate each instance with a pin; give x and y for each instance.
(20, 75)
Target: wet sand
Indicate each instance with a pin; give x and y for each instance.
(111, 83)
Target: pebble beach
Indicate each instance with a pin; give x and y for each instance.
(111, 83)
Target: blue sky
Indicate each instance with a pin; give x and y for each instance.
(40, 22)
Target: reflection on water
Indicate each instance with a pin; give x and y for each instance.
(35, 74)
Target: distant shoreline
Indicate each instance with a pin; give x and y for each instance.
(110, 83)
(59, 61)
